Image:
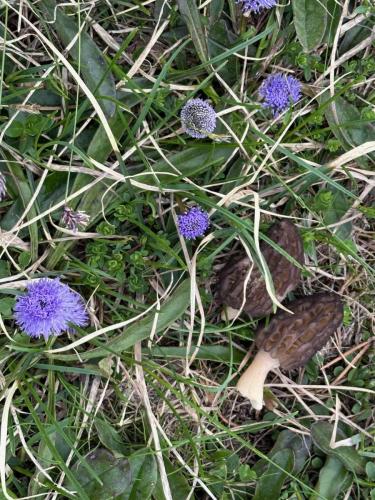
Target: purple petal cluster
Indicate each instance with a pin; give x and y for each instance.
(198, 118)
(48, 308)
(256, 5)
(73, 220)
(280, 91)
(193, 223)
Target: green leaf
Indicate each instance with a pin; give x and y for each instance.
(16, 129)
(100, 147)
(300, 446)
(189, 162)
(144, 476)
(356, 35)
(370, 471)
(333, 205)
(109, 437)
(25, 190)
(170, 311)
(333, 478)
(271, 481)
(220, 353)
(346, 123)
(216, 9)
(321, 433)
(192, 18)
(310, 20)
(177, 481)
(219, 37)
(246, 473)
(102, 475)
(86, 53)
(334, 11)
(6, 306)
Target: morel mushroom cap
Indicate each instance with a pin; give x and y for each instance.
(285, 275)
(290, 340)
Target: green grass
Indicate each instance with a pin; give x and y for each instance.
(142, 403)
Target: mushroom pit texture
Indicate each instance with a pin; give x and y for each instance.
(285, 274)
(290, 340)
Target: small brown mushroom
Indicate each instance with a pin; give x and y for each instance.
(290, 340)
(285, 275)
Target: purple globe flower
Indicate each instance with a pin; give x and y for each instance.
(279, 91)
(194, 222)
(256, 5)
(48, 308)
(198, 118)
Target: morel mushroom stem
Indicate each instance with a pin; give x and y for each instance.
(251, 382)
(229, 313)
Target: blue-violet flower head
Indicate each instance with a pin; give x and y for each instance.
(49, 308)
(256, 5)
(194, 222)
(279, 91)
(198, 118)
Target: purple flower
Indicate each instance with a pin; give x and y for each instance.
(198, 118)
(73, 220)
(194, 222)
(48, 308)
(279, 91)
(256, 5)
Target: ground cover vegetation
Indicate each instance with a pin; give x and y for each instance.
(143, 145)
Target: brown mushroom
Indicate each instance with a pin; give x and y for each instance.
(290, 340)
(285, 275)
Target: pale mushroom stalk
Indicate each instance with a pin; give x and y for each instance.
(251, 382)
(229, 313)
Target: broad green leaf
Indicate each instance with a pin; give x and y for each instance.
(271, 481)
(188, 162)
(192, 18)
(356, 35)
(170, 311)
(334, 10)
(310, 20)
(20, 184)
(94, 69)
(216, 8)
(221, 37)
(370, 471)
(178, 483)
(220, 353)
(321, 433)
(346, 123)
(333, 479)
(39, 484)
(333, 205)
(113, 475)
(144, 476)
(110, 438)
(100, 147)
(300, 445)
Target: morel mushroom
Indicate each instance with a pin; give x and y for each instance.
(285, 275)
(290, 340)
